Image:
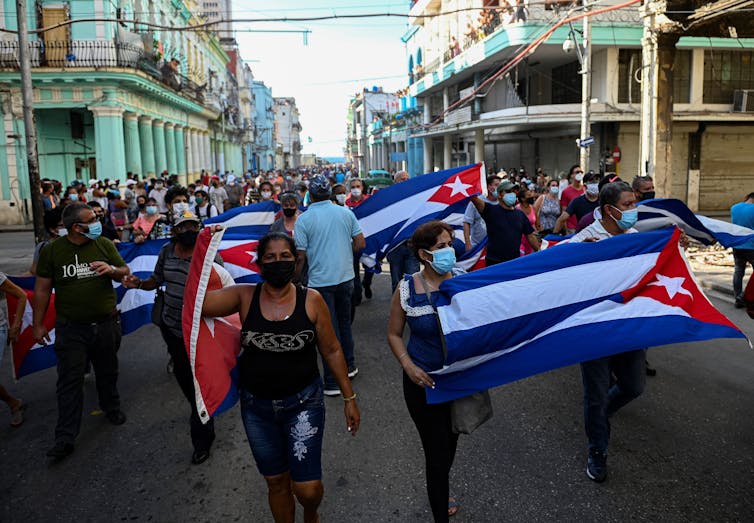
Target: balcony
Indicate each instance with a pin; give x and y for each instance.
(100, 54)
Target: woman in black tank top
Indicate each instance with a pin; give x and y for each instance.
(282, 405)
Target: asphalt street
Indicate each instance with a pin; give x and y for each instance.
(684, 451)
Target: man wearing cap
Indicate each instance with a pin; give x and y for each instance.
(327, 236)
(505, 225)
(81, 267)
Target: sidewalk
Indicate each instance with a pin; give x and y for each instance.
(713, 267)
(17, 228)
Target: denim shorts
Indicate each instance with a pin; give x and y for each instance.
(286, 434)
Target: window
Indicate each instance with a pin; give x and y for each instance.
(682, 77)
(725, 72)
(629, 76)
(566, 83)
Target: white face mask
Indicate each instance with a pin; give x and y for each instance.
(62, 231)
(356, 192)
(266, 195)
(341, 199)
(579, 177)
(592, 188)
(180, 208)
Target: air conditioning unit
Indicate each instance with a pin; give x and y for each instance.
(743, 101)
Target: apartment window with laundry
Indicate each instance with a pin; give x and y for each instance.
(725, 72)
(566, 83)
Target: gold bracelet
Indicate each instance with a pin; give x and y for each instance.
(350, 398)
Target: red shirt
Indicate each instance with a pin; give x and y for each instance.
(568, 194)
(354, 203)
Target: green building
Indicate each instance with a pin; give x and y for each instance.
(148, 95)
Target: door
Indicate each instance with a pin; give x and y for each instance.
(55, 40)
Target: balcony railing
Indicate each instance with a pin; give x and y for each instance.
(98, 54)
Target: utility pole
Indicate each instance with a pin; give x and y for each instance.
(32, 160)
(648, 128)
(586, 90)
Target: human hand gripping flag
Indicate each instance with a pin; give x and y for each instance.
(567, 305)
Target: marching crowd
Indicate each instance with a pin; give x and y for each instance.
(310, 265)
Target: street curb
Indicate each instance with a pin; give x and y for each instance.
(718, 291)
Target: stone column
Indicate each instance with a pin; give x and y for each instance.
(479, 146)
(195, 156)
(132, 144)
(147, 146)
(170, 155)
(180, 152)
(207, 151)
(109, 141)
(228, 149)
(447, 143)
(160, 155)
(200, 151)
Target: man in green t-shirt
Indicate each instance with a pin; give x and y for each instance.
(81, 267)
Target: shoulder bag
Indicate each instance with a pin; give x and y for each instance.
(469, 412)
(159, 304)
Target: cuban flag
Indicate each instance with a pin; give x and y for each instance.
(27, 355)
(391, 215)
(252, 221)
(213, 344)
(662, 212)
(563, 306)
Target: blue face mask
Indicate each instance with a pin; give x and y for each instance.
(627, 218)
(151, 209)
(73, 197)
(94, 232)
(510, 199)
(443, 260)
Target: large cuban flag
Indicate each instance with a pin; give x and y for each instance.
(391, 215)
(250, 221)
(662, 212)
(213, 343)
(567, 305)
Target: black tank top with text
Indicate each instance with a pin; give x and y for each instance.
(279, 358)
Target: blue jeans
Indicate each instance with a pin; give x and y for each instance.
(740, 258)
(338, 300)
(286, 434)
(603, 399)
(402, 261)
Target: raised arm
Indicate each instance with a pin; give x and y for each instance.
(226, 301)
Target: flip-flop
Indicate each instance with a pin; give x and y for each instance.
(453, 507)
(17, 416)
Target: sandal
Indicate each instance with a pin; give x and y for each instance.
(17, 415)
(453, 507)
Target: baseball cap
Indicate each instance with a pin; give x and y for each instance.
(319, 186)
(93, 182)
(130, 182)
(231, 178)
(185, 216)
(505, 185)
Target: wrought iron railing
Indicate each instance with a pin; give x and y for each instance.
(99, 54)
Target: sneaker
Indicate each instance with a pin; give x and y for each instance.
(116, 417)
(596, 465)
(60, 451)
(334, 391)
(740, 303)
(199, 457)
(352, 373)
(651, 371)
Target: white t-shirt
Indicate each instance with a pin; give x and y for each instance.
(594, 230)
(159, 196)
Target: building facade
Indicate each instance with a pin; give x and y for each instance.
(529, 116)
(371, 116)
(287, 134)
(116, 98)
(263, 155)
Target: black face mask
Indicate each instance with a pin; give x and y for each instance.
(187, 238)
(290, 213)
(647, 195)
(531, 200)
(278, 274)
(142, 205)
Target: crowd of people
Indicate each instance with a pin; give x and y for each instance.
(310, 264)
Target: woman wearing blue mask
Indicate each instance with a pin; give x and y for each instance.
(432, 244)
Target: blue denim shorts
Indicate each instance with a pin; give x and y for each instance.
(286, 434)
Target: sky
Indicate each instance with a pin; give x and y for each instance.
(342, 57)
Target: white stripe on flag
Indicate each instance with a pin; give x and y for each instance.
(724, 227)
(649, 224)
(477, 307)
(249, 218)
(144, 263)
(639, 307)
(394, 213)
(135, 298)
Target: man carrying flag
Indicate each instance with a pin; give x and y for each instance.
(81, 266)
(601, 400)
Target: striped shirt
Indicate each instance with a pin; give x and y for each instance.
(171, 271)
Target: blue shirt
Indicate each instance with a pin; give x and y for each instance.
(325, 231)
(424, 344)
(743, 214)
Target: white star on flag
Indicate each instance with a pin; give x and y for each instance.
(253, 255)
(673, 286)
(458, 187)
